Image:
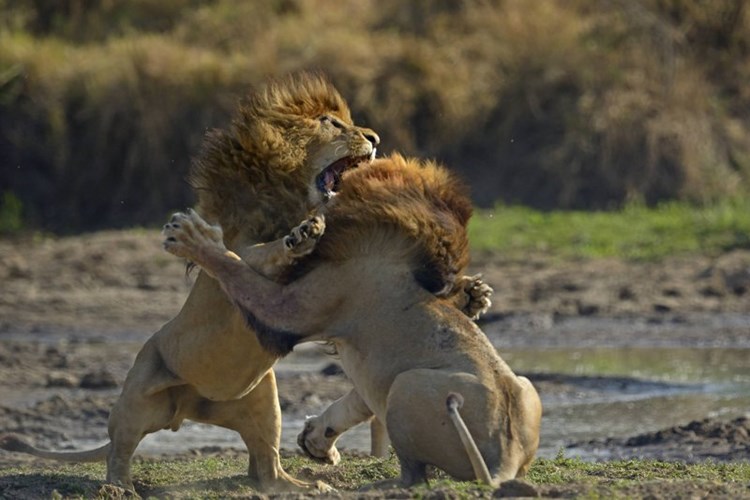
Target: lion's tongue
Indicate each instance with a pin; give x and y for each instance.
(329, 180)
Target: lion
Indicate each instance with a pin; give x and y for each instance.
(366, 274)
(284, 154)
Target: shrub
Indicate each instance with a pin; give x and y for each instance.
(554, 104)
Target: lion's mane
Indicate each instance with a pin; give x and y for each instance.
(420, 202)
(246, 175)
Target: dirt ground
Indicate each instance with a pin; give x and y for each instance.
(63, 301)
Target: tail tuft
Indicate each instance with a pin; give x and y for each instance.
(10, 442)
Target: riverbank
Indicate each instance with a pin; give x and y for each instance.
(595, 336)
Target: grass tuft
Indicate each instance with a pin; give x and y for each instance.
(637, 232)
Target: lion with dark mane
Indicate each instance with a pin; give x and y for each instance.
(284, 154)
(370, 273)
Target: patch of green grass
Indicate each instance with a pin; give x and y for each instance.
(11, 213)
(636, 232)
(563, 470)
(225, 477)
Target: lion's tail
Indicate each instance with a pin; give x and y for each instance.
(10, 442)
(454, 402)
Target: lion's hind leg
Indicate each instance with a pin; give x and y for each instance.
(529, 423)
(421, 431)
(144, 406)
(257, 418)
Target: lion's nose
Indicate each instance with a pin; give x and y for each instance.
(371, 136)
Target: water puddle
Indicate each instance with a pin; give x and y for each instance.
(587, 393)
(598, 377)
(620, 392)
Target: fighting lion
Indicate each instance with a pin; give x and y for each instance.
(368, 274)
(284, 154)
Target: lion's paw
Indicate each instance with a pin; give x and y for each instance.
(477, 294)
(187, 233)
(317, 441)
(303, 238)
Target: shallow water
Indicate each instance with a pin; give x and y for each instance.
(598, 377)
(605, 392)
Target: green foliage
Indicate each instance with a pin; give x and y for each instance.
(11, 213)
(557, 104)
(635, 232)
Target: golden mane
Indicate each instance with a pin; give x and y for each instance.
(247, 175)
(421, 201)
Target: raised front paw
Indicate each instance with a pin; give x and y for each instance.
(477, 295)
(317, 441)
(186, 234)
(303, 238)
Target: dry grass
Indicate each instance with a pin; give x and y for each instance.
(556, 104)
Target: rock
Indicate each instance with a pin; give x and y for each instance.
(98, 380)
(515, 488)
(61, 379)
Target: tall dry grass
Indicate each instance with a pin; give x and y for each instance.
(552, 103)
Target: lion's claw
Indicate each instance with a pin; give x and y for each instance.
(477, 294)
(302, 239)
(187, 233)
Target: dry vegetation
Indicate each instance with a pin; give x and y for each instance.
(555, 103)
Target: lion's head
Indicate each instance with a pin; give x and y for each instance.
(285, 152)
(399, 203)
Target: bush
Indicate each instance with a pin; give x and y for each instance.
(554, 104)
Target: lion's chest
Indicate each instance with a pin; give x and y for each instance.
(220, 357)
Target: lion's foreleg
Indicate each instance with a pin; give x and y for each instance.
(274, 258)
(300, 307)
(318, 438)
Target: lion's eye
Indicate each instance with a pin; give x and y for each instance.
(333, 121)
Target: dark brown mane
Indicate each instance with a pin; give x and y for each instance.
(246, 175)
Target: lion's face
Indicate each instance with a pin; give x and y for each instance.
(284, 154)
(337, 147)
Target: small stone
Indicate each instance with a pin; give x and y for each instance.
(515, 488)
(61, 379)
(98, 380)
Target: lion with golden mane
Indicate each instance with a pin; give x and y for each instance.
(284, 154)
(368, 274)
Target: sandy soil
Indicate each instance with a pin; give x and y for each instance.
(74, 310)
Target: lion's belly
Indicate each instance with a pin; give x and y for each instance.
(209, 346)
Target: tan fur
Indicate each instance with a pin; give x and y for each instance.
(257, 179)
(391, 238)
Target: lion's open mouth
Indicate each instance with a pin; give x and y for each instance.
(328, 181)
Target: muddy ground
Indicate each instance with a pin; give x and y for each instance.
(74, 310)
